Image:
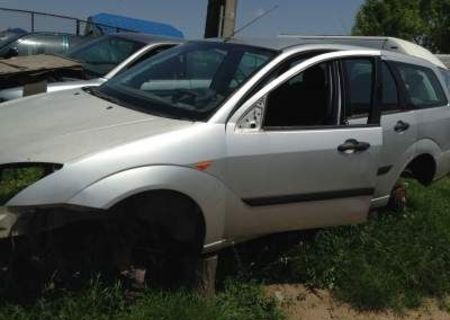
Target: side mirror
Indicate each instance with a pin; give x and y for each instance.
(12, 52)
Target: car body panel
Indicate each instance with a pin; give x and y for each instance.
(112, 189)
(57, 129)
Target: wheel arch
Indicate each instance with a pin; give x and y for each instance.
(186, 222)
(422, 167)
(204, 190)
(423, 163)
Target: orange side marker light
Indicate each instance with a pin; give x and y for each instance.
(203, 165)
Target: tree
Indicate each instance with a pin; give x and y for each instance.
(426, 22)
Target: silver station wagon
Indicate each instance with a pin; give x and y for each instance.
(214, 142)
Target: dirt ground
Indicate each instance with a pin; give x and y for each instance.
(302, 304)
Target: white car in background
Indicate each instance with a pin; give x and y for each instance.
(104, 58)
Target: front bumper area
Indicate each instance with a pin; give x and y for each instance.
(7, 222)
(25, 221)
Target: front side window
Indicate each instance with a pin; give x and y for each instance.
(304, 100)
(359, 74)
(191, 80)
(422, 86)
(101, 56)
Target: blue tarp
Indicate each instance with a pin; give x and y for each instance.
(137, 25)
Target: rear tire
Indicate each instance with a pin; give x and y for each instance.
(399, 197)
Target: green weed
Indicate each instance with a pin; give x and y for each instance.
(236, 302)
(394, 261)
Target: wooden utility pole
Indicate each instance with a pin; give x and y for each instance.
(220, 18)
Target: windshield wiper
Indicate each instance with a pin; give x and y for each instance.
(95, 92)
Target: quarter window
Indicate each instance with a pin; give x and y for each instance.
(422, 86)
(360, 77)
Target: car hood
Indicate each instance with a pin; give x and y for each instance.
(63, 126)
(17, 92)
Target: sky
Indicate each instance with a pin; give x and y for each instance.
(292, 16)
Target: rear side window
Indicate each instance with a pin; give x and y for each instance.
(390, 91)
(446, 74)
(360, 77)
(422, 86)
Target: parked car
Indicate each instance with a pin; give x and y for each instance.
(104, 58)
(33, 43)
(214, 142)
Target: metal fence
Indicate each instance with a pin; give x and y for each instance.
(32, 18)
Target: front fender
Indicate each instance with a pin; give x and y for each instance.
(206, 190)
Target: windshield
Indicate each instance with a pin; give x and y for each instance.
(189, 81)
(101, 56)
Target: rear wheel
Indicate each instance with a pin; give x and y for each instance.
(398, 199)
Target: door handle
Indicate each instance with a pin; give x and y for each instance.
(401, 126)
(353, 145)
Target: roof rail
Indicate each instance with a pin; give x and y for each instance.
(381, 43)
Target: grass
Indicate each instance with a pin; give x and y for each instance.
(14, 180)
(394, 261)
(236, 302)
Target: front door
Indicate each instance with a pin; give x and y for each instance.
(291, 161)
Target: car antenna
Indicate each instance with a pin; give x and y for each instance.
(248, 24)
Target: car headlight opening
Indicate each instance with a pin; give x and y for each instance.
(15, 177)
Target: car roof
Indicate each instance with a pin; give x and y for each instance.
(145, 37)
(387, 44)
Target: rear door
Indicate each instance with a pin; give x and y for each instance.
(399, 123)
(292, 162)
